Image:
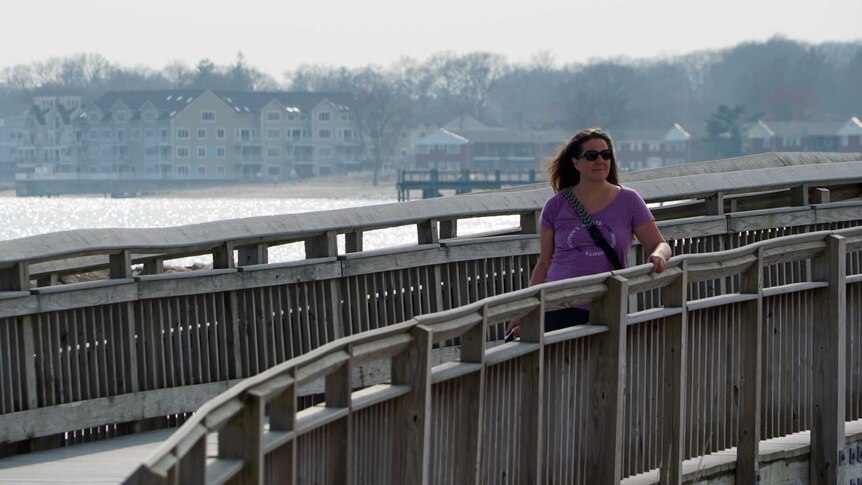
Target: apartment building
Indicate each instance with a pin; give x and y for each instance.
(196, 134)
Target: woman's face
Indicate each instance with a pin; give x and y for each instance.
(594, 170)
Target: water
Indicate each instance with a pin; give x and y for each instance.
(28, 216)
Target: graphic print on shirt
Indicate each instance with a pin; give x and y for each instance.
(592, 249)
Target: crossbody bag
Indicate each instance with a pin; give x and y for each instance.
(597, 236)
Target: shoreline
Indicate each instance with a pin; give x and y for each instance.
(357, 186)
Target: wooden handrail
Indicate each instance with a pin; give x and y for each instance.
(447, 322)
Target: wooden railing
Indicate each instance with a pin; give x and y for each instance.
(631, 391)
(136, 352)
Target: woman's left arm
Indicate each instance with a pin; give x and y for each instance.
(651, 238)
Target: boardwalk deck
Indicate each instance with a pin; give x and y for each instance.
(111, 461)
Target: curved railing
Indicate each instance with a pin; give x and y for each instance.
(136, 352)
(629, 392)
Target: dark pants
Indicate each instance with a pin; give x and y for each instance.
(565, 317)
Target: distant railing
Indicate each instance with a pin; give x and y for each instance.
(630, 392)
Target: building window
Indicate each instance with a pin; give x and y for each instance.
(182, 152)
(273, 133)
(343, 117)
(453, 149)
(106, 134)
(202, 170)
(324, 152)
(297, 134)
(149, 133)
(324, 134)
(220, 152)
(202, 152)
(94, 134)
(324, 116)
(220, 170)
(93, 116)
(182, 133)
(274, 171)
(182, 169)
(347, 134)
(273, 152)
(149, 116)
(220, 134)
(121, 136)
(136, 134)
(273, 116)
(202, 133)
(422, 149)
(208, 116)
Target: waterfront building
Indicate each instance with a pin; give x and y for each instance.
(195, 134)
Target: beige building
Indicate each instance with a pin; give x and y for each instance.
(194, 134)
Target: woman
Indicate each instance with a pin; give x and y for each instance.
(586, 166)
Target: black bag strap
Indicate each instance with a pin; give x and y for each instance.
(597, 236)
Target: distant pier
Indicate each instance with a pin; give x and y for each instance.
(431, 181)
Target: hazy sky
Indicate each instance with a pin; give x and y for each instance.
(276, 36)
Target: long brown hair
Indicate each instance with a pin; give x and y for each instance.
(562, 172)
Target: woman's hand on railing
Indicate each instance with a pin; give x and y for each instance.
(658, 262)
(513, 330)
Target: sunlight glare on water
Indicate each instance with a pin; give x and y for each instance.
(22, 217)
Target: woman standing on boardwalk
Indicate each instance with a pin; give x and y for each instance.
(587, 226)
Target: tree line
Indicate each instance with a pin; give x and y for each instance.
(776, 80)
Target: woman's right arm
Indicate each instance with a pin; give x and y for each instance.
(540, 272)
(546, 250)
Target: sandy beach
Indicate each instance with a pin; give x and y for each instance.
(354, 186)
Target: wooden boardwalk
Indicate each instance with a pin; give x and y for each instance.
(106, 461)
(111, 461)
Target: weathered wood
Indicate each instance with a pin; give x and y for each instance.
(254, 254)
(673, 417)
(448, 228)
(607, 378)
(530, 222)
(427, 232)
(353, 242)
(321, 246)
(751, 282)
(714, 204)
(223, 256)
(829, 367)
(15, 278)
(820, 195)
(337, 395)
(412, 423)
(242, 438)
(120, 265)
(469, 446)
(531, 399)
(799, 195)
(282, 418)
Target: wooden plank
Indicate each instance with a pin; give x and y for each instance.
(412, 421)
(607, 377)
(829, 367)
(751, 282)
(241, 438)
(339, 433)
(468, 451)
(107, 410)
(675, 353)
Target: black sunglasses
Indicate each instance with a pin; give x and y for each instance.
(592, 155)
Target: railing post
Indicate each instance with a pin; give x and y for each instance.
(714, 204)
(242, 438)
(120, 264)
(15, 277)
(799, 195)
(325, 246)
(830, 359)
(675, 362)
(251, 255)
(223, 256)
(469, 451)
(282, 418)
(338, 390)
(748, 449)
(530, 222)
(426, 232)
(353, 242)
(411, 446)
(154, 266)
(607, 377)
(820, 196)
(449, 229)
(532, 399)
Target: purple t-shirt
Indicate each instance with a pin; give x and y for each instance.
(575, 253)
